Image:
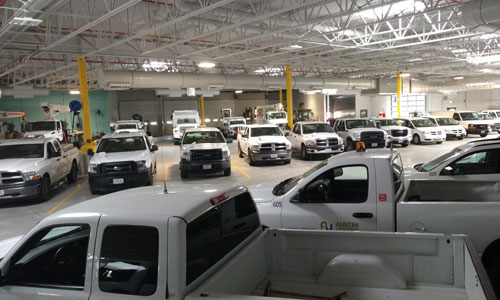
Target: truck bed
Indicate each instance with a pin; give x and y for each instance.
(312, 264)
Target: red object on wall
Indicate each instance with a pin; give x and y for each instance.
(382, 115)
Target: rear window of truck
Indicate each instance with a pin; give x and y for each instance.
(218, 231)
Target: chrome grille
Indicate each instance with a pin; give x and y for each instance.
(119, 168)
(327, 142)
(372, 137)
(212, 154)
(399, 132)
(10, 177)
(273, 147)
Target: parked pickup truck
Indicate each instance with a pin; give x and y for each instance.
(264, 143)
(360, 130)
(396, 134)
(204, 150)
(49, 129)
(209, 244)
(122, 160)
(232, 125)
(367, 191)
(29, 168)
(314, 138)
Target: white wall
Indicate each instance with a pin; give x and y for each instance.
(470, 100)
(375, 104)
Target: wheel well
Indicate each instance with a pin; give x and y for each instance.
(491, 252)
(46, 175)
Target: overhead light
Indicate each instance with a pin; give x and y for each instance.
(483, 59)
(458, 77)
(207, 120)
(26, 21)
(154, 123)
(459, 51)
(414, 59)
(206, 65)
(74, 92)
(296, 46)
(404, 74)
(238, 92)
(497, 86)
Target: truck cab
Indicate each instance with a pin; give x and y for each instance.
(396, 134)
(360, 130)
(271, 114)
(45, 129)
(264, 143)
(232, 125)
(183, 120)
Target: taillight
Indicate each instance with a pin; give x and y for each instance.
(218, 199)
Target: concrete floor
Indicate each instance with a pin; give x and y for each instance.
(17, 218)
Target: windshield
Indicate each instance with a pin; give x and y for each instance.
(387, 122)
(286, 185)
(202, 137)
(470, 116)
(360, 124)
(277, 115)
(126, 126)
(439, 160)
(312, 128)
(263, 131)
(21, 151)
(423, 123)
(41, 126)
(186, 121)
(446, 121)
(237, 122)
(122, 144)
(487, 116)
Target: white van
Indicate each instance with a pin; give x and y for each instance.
(423, 130)
(451, 127)
(129, 126)
(470, 120)
(182, 120)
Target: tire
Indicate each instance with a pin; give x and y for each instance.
(389, 145)
(303, 152)
(227, 172)
(416, 139)
(177, 142)
(240, 153)
(439, 143)
(287, 161)
(73, 173)
(466, 134)
(493, 271)
(460, 138)
(156, 170)
(250, 159)
(93, 190)
(184, 174)
(405, 144)
(483, 134)
(44, 189)
(350, 145)
(150, 179)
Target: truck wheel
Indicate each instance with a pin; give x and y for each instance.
(493, 271)
(44, 189)
(466, 134)
(303, 152)
(439, 142)
(150, 179)
(156, 170)
(250, 159)
(350, 145)
(177, 142)
(389, 145)
(483, 134)
(73, 174)
(227, 172)
(461, 137)
(240, 153)
(287, 161)
(93, 190)
(184, 174)
(405, 144)
(416, 139)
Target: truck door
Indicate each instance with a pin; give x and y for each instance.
(244, 140)
(62, 160)
(55, 162)
(131, 257)
(294, 136)
(341, 198)
(53, 263)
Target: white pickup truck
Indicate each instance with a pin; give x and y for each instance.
(209, 244)
(360, 130)
(50, 129)
(367, 191)
(232, 125)
(264, 143)
(29, 168)
(396, 134)
(314, 138)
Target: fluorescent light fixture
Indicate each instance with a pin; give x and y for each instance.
(215, 120)
(497, 86)
(169, 122)
(404, 75)
(26, 21)
(206, 65)
(158, 66)
(415, 59)
(268, 70)
(459, 51)
(207, 120)
(296, 46)
(154, 123)
(458, 77)
(483, 59)
(238, 92)
(74, 92)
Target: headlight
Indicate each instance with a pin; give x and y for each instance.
(225, 154)
(255, 148)
(93, 168)
(143, 165)
(288, 146)
(186, 155)
(341, 141)
(357, 135)
(33, 175)
(311, 143)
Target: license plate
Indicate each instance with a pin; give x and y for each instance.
(2, 192)
(482, 131)
(207, 167)
(374, 144)
(274, 155)
(458, 135)
(118, 181)
(400, 141)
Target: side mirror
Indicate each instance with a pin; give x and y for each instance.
(148, 133)
(378, 125)
(229, 141)
(90, 152)
(287, 133)
(154, 148)
(447, 171)
(300, 197)
(338, 172)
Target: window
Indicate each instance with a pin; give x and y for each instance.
(397, 173)
(124, 144)
(410, 105)
(50, 149)
(54, 257)
(456, 117)
(58, 125)
(129, 260)
(296, 129)
(339, 185)
(58, 147)
(481, 162)
(215, 233)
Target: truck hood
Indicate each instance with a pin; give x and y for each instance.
(103, 157)
(23, 165)
(262, 192)
(8, 244)
(321, 135)
(269, 139)
(204, 146)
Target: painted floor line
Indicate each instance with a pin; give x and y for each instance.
(239, 169)
(67, 197)
(302, 165)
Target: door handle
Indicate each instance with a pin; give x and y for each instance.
(58, 159)
(362, 215)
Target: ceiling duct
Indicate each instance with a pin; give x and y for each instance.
(110, 80)
(24, 92)
(485, 14)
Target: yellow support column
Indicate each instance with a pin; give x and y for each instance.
(202, 111)
(289, 101)
(281, 96)
(84, 97)
(399, 95)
